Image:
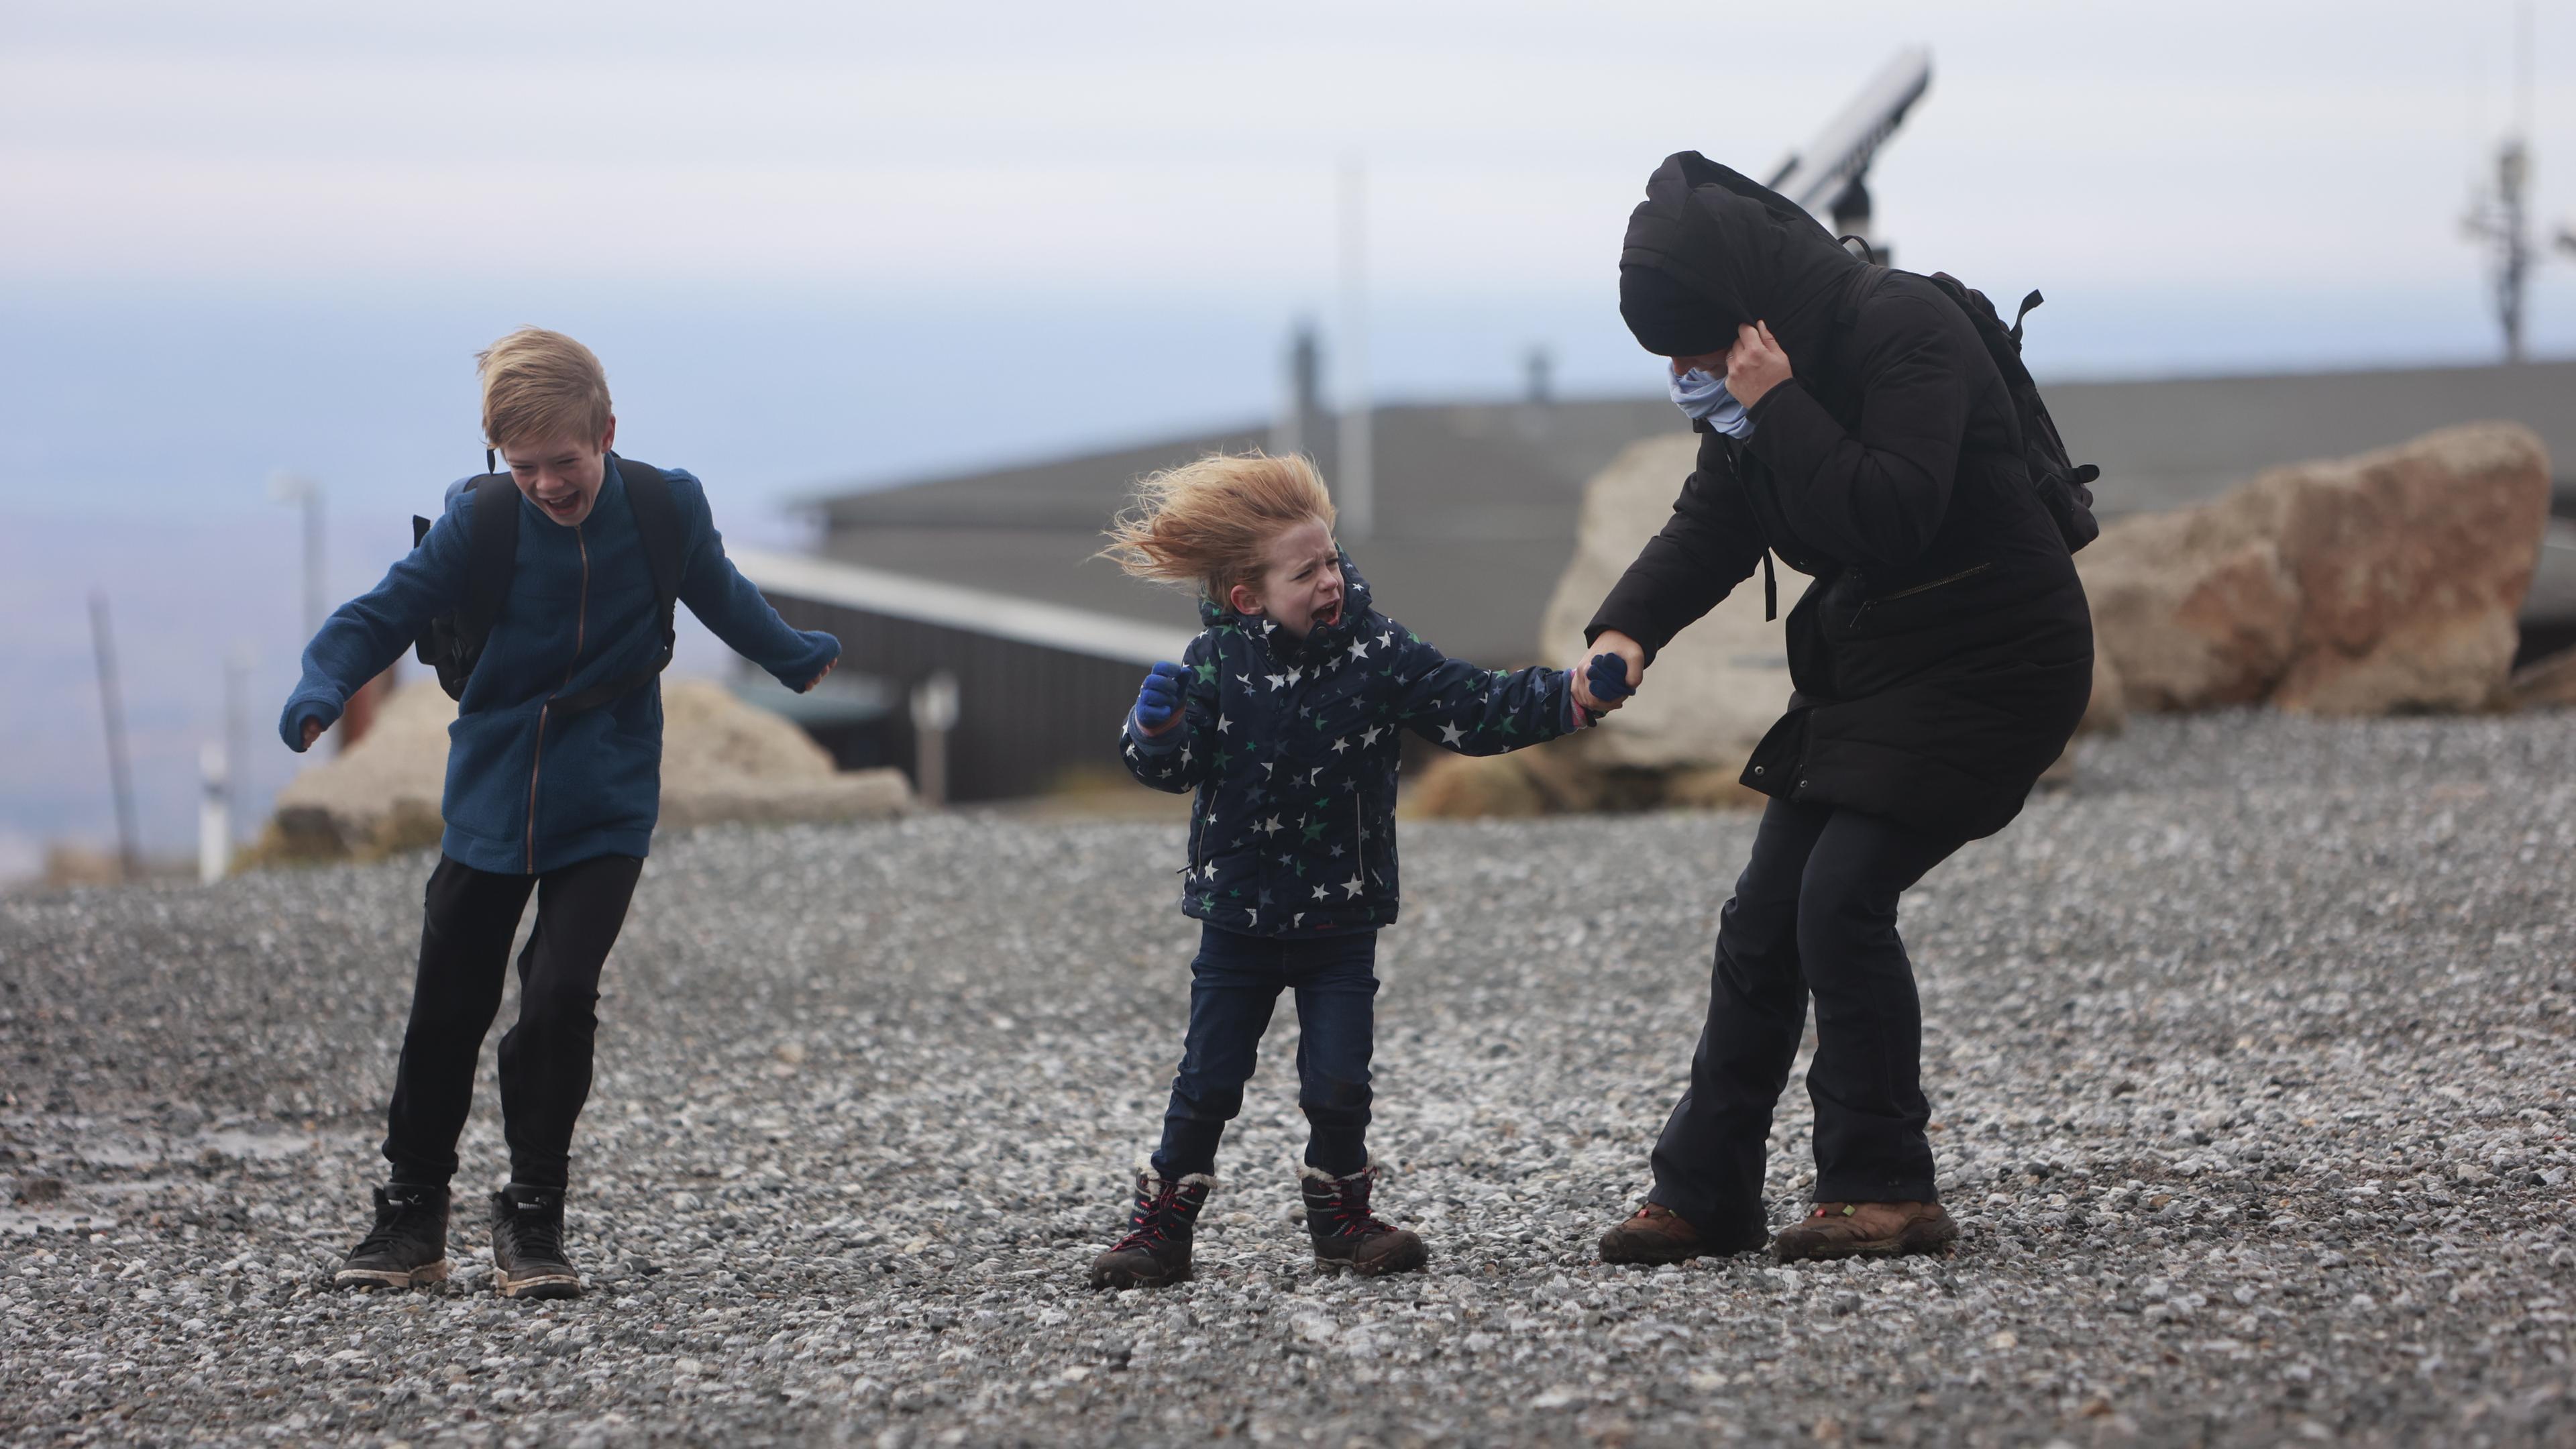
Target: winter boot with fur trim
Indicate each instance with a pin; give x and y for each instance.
(1156, 1250)
(1346, 1233)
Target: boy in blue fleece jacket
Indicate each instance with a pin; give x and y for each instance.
(544, 795)
(1285, 716)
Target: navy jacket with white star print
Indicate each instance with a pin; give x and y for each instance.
(1292, 747)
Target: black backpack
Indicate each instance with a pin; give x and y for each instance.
(453, 643)
(2064, 485)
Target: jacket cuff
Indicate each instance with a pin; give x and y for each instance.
(304, 707)
(1162, 744)
(827, 650)
(1602, 623)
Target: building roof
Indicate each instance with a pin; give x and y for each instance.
(2162, 444)
(1476, 510)
(1477, 503)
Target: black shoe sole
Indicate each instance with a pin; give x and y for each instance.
(379, 1280)
(1656, 1256)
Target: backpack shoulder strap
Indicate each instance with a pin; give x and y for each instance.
(492, 555)
(657, 519)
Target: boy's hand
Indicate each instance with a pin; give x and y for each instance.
(312, 732)
(808, 685)
(1158, 702)
(1613, 674)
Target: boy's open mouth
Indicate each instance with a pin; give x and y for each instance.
(562, 507)
(1330, 613)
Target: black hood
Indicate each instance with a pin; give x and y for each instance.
(1710, 249)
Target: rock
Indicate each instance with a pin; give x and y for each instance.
(1717, 687)
(2548, 683)
(2370, 585)
(722, 761)
(2107, 712)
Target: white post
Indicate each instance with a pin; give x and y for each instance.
(288, 488)
(237, 670)
(1357, 460)
(934, 714)
(214, 817)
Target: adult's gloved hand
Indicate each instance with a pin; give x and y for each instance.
(1607, 678)
(1158, 701)
(1604, 685)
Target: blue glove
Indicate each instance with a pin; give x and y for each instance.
(1607, 678)
(1160, 697)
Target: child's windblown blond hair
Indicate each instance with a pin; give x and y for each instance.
(1204, 524)
(539, 387)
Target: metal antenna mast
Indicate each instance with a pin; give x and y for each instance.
(2500, 214)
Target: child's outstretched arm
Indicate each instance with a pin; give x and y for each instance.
(364, 636)
(732, 606)
(1166, 739)
(1475, 711)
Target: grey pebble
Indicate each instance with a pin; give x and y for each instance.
(2250, 1061)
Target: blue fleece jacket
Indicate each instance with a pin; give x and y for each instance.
(528, 789)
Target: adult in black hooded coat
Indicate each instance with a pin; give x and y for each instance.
(1941, 658)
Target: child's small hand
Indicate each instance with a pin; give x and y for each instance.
(312, 732)
(808, 685)
(1158, 702)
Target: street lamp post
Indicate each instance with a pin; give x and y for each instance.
(294, 488)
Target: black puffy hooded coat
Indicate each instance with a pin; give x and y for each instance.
(1944, 653)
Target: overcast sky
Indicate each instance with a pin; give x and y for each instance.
(821, 244)
(2244, 145)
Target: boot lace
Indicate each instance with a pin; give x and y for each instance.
(538, 1231)
(1345, 1212)
(1151, 1224)
(403, 1220)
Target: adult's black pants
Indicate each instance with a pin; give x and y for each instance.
(465, 933)
(1814, 914)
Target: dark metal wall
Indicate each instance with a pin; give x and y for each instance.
(1027, 715)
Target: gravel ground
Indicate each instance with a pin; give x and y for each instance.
(2249, 1058)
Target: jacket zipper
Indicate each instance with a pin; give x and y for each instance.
(580, 628)
(1925, 588)
(1359, 840)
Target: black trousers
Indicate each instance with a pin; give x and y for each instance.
(466, 926)
(1813, 914)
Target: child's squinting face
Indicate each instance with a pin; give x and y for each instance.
(1300, 584)
(562, 476)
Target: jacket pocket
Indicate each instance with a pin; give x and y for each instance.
(1905, 604)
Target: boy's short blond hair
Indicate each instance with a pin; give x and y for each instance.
(1204, 524)
(539, 386)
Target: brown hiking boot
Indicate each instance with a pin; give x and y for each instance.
(1346, 1233)
(1156, 1249)
(1657, 1234)
(1867, 1230)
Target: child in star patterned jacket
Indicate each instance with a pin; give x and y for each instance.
(1284, 716)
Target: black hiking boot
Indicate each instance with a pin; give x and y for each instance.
(408, 1245)
(1156, 1249)
(528, 1258)
(1346, 1233)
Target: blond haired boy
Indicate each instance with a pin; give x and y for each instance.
(553, 779)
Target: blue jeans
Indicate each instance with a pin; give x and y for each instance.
(1234, 981)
